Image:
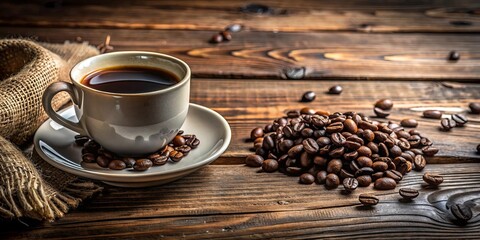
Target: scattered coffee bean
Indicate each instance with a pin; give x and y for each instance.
(308, 96)
(462, 212)
(332, 181)
(368, 199)
(434, 114)
(409, 122)
(453, 56)
(447, 124)
(385, 183)
(459, 119)
(226, 35)
(256, 133)
(337, 89)
(381, 113)
(474, 107)
(81, 140)
(117, 165)
(142, 164)
(429, 151)
(432, 179)
(216, 38)
(307, 178)
(408, 193)
(270, 165)
(384, 104)
(350, 184)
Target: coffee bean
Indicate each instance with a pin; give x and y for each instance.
(129, 162)
(103, 161)
(334, 166)
(336, 152)
(364, 161)
(270, 165)
(368, 135)
(320, 161)
(254, 160)
(350, 184)
(334, 127)
(307, 111)
(178, 141)
(376, 175)
(185, 149)
(307, 178)
(337, 139)
(474, 107)
(310, 146)
(408, 193)
(352, 145)
(117, 165)
(453, 56)
(332, 181)
(429, 151)
(419, 162)
(293, 114)
(142, 164)
(216, 38)
(337, 89)
(380, 166)
(81, 140)
(364, 180)
(256, 133)
(323, 141)
(344, 174)
(409, 122)
(294, 171)
(350, 126)
(368, 199)
(432, 179)
(308, 96)
(434, 114)
(385, 183)
(91, 146)
(89, 157)
(447, 124)
(394, 174)
(306, 132)
(462, 212)
(268, 142)
(364, 151)
(459, 119)
(295, 150)
(364, 171)
(367, 125)
(227, 36)
(381, 113)
(176, 155)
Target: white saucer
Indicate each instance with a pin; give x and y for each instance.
(56, 145)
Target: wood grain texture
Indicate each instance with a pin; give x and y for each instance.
(237, 202)
(304, 15)
(336, 55)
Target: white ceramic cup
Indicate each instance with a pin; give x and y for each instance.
(126, 124)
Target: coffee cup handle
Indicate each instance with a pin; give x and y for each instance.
(48, 95)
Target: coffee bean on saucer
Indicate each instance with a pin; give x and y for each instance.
(91, 146)
(176, 155)
(178, 141)
(337, 89)
(142, 164)
(474, 107)
(117, 165)
(408, 193)
(195, 143)
(459, 119)
(308, 96)
(81, 140)
(129, 162)
(434, 114)
(103, 161)
(89, 157)
(384, 104)
(158, 159)
(432, 179)
(381, 113)
(368, 199)
(409, 122)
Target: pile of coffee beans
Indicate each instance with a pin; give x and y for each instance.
(337, 148)
(177, 149)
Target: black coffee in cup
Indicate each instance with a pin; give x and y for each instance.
(130, 79)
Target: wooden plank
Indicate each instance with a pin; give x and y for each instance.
(304, 15)
(271, 55)
(236, 202)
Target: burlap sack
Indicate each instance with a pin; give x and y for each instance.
(30, 187)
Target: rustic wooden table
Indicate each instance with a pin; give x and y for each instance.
(390, 50)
